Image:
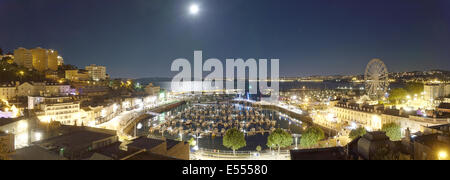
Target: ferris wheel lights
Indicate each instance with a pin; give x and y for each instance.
(376, 78)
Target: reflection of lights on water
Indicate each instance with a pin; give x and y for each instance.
(21, 140)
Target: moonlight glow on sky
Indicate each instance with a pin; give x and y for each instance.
(193, 9)
(139, 38)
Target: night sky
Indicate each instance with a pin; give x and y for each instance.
(141, 38)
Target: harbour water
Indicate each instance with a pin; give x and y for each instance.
(214, 142)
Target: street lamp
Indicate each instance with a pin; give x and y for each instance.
(442, 155)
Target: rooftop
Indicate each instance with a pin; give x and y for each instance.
(35, 153)
(115, 152)
(5, 121)
(150, 156)
(334, 153)
(78, 138)
(145, 143)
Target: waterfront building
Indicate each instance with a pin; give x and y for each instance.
(371, 146)
(96, 73)
(67, 113)
(8, 91)
(61, 109)
(23, 57)
(374, 117)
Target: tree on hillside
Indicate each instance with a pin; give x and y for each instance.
(393, 131)
(280, 139)
(414, 88)
(358, 132)
(397, 95)
(65, 67)
(234, 139)
(311, 137)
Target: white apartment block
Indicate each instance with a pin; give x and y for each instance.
(433, 91)
(61, 109)
(96, 73)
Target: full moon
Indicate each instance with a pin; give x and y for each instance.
(193, 9)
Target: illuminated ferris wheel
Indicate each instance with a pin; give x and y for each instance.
(376, 78)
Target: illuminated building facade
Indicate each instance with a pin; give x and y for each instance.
(152, 90)
(77, 75)
(20, 128)
(72, 75)
(53, 60)
(433, 91)
(23, 57)
(61, 109)
(42, 89)
(40, 59)
(374, 118)
(8, 91)
(96, 73)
